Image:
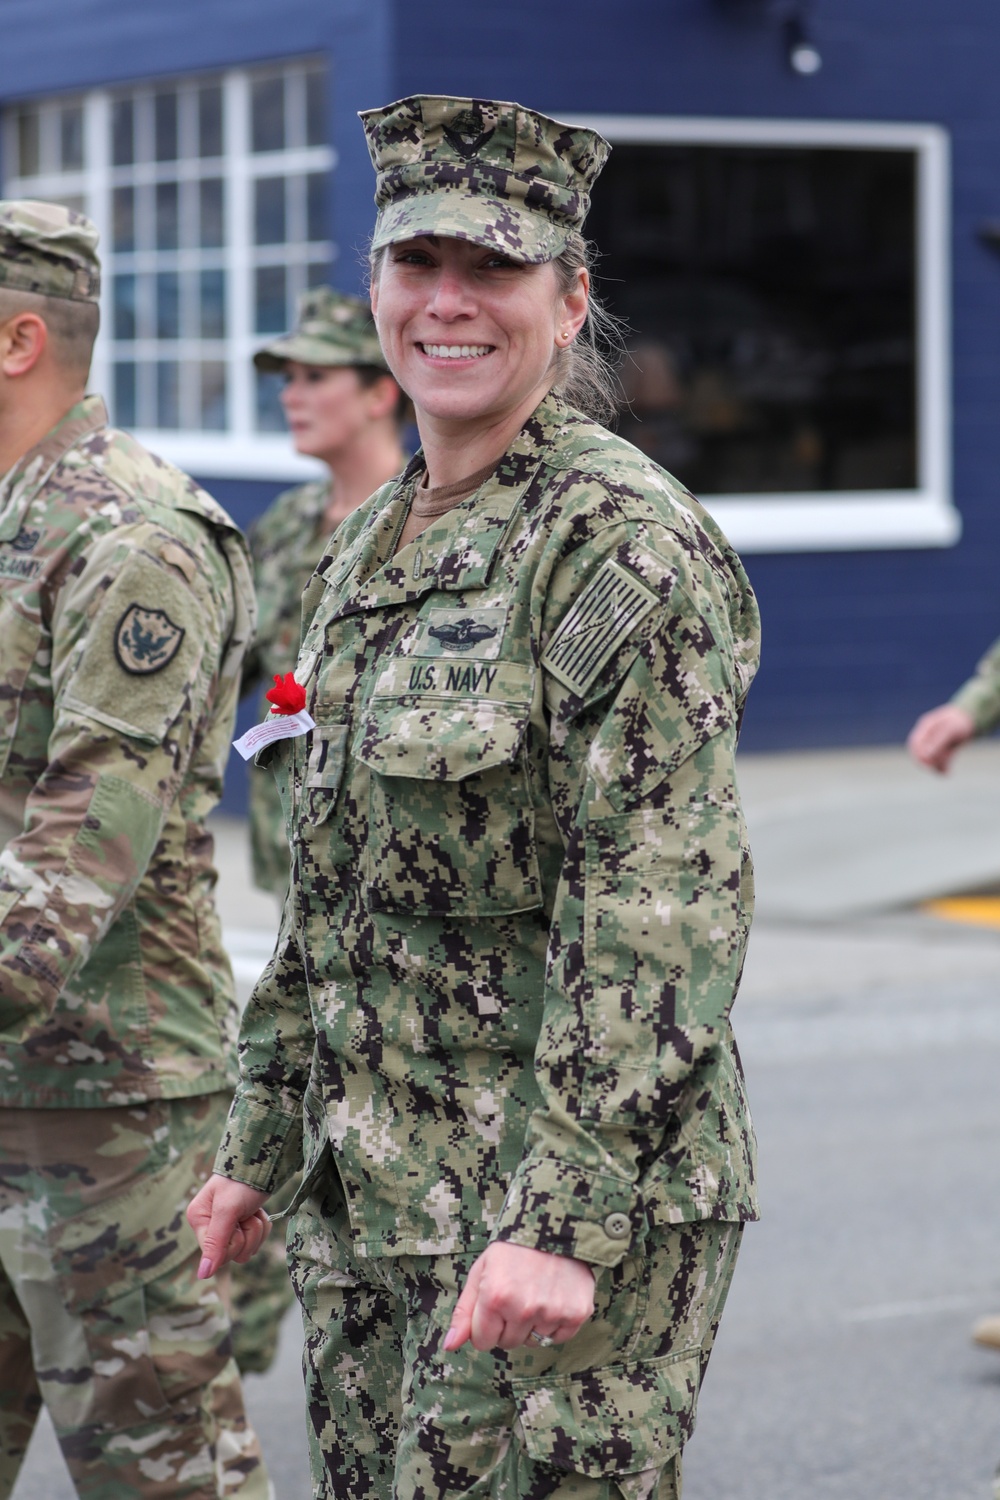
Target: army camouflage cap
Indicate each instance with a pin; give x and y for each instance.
(48, 249)
(330, 329)
(474, 169)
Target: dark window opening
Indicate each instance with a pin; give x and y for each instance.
(770, 294)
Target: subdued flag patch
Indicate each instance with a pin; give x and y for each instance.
(601, 620)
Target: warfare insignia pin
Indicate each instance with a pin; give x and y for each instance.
(476, 632)
(146, 640)
(463, 634)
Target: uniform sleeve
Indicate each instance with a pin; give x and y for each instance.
(262, 1145)
(137, 641)
(652, 906)
(980, 696)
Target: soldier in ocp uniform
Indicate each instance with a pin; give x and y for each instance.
(126, 606)
(499, 1008)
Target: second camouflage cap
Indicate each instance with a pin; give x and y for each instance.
(48, 249)
(481, 170)
(330, 329)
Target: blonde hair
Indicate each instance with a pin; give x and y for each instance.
(586, 369)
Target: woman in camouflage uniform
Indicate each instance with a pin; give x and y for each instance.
(499, 1006)
(343, 407)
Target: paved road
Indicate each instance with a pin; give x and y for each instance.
(843, 1369)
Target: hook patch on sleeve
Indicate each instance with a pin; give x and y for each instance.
(601, 620)
(146, 640)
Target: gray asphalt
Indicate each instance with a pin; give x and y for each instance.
(871, 1038)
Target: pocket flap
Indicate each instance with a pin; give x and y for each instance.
(623, 1419)
(443, 740)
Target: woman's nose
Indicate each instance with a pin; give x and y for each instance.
(452, 296)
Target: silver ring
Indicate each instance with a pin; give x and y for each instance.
(541, 1339)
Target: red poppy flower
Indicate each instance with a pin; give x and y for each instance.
(287, 696)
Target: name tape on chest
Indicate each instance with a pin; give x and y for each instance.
(276, 727)
(610, 607)
(19, 568)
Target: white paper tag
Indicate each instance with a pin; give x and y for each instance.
(275, 727)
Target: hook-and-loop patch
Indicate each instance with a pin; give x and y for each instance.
(146, 640)
(601, 620)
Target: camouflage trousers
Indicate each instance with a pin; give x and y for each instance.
(101, 1315)
(391, 1416)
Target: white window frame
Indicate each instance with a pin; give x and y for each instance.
(239, 452)
(924, 516)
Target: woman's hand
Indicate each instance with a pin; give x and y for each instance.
(936, 735)
(229, 1221)
(513, 1292)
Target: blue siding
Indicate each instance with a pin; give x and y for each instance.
(855, 643)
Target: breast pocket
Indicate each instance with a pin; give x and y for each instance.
(451, 826)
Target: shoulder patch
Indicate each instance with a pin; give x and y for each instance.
(601, 620)
(146, 640)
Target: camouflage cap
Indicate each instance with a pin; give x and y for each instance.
(330, 329)
(475, 169)
(48, 249)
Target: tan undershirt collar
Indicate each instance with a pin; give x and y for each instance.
(429, 503)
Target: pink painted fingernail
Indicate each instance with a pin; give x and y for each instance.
(205, 1268)
(451, 1338)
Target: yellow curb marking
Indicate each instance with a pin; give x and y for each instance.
(976, 911)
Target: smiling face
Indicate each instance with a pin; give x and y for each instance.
(471, 335)
(328, 408)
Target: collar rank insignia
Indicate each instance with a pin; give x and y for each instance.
(463, 634)
(146, 640)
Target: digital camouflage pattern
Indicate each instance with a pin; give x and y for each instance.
(521, 889)
(101, 1312)
(475, 169)
(287, 543)
(330, 329)
(521, 886)
(980, 696)
(502, 1423)
(48, 250)
(125, 608)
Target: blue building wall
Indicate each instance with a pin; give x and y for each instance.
(855, 643)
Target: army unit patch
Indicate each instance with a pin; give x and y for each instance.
(146, 640)
(604, 615)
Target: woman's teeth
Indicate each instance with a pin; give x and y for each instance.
(456, 351)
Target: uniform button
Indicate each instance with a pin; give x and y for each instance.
(617, 1227)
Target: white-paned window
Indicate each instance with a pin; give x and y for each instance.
(786, 288)
(211, 194)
